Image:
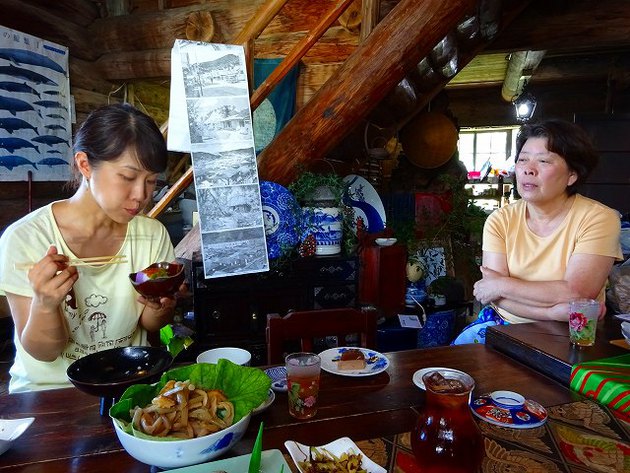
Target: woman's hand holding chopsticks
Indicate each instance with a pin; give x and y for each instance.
(38, 321)
(52, 279)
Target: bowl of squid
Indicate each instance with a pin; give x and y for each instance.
(192, 415)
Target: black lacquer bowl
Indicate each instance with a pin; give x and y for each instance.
(108, 373)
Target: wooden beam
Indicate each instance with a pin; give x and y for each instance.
(146, 31)
(404, 37)
(148, 64)
(87, 75)
(576, 25)
(258, 22)
(370, 10)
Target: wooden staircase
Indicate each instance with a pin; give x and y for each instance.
(410, 45)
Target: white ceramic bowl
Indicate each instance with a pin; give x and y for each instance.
(385, 241)
(237, 356)
(11, 429)
(178, 453)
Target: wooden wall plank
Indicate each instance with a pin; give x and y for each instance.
(80, 12)
(136, 64)
(87, 75)
(44, 23)
(585, 25)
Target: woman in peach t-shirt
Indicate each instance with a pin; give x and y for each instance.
(552, 245)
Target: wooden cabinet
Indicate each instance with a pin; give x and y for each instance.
(233, 311)
(383, 279)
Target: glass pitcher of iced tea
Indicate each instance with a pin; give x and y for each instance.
(446, 437)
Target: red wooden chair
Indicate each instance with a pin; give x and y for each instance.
(304, 326)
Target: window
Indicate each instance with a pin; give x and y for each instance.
(478, 145)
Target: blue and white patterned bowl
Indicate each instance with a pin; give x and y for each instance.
(278, 375)
(177, 453)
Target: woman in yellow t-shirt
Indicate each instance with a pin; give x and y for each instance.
(552, 245)
(63, 312)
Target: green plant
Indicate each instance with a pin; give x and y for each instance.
(308, 184)
(463, 225)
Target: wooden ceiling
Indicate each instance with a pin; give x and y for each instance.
(585, 67)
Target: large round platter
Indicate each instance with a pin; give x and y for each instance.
(417, 376)
(509, 409)
(281, 214)
(365, 203)
(375, 362)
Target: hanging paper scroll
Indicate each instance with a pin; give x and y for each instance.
(35, 119)
(210, 116)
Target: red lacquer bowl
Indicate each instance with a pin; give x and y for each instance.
(158, 280)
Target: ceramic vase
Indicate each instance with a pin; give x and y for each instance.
(325, 223)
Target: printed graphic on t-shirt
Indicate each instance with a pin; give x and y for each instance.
(88, 328)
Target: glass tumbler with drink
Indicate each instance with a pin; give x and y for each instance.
(303, 370)
(583, 315)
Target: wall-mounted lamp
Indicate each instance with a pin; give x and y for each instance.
(524, 105)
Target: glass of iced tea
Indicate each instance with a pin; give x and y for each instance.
(303, 370)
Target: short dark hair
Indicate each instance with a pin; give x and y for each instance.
(567, 140)
(111, 129)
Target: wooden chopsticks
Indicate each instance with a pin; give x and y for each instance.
(90, 260)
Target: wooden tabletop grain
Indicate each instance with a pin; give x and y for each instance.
(70, 435)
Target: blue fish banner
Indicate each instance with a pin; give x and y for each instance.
(279, 106)
(35, 109)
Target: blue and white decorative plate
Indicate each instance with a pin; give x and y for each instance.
(375, 362)
(281, 215)
(365, 202)
(278, 375)
(509, 409)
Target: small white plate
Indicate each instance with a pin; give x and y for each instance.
(11, 429)
(278, 375)
(375, 362)
(271, 461)
(268, 402)
(625, 317)
(385, 241)
(300, 453)
(417, 376)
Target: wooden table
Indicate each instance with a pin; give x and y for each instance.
(70, 435)
(545, 346)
